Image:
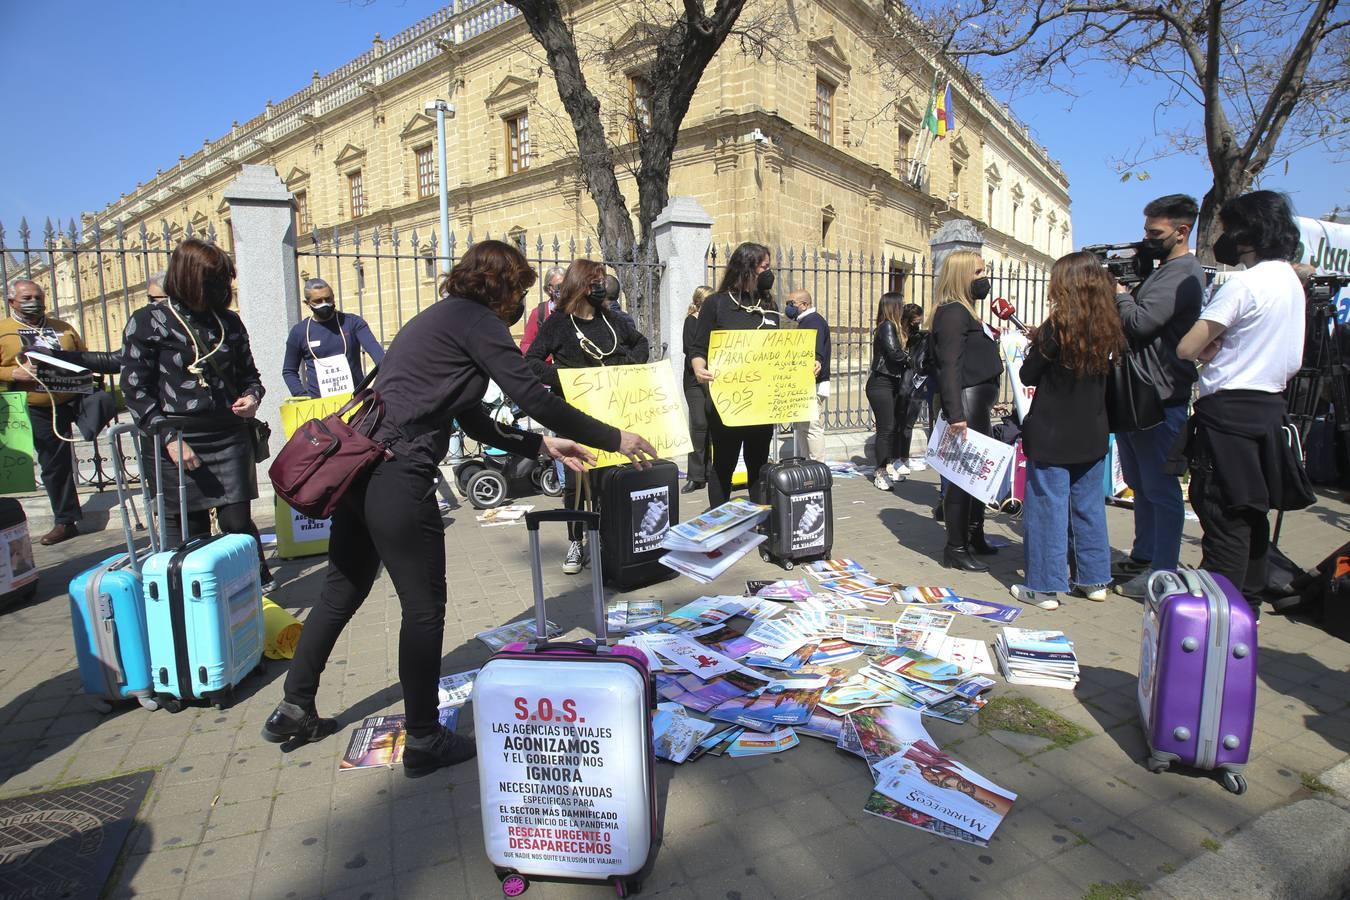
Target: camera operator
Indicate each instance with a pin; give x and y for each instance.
(1155, 318)
(1251, 338)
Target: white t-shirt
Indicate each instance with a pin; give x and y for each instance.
(1262, 310)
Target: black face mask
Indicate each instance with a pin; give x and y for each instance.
(980, 288)
(1226, 250)
(765, 281)
(517, 315)
(597, 295)
(1157, 248)
(323, 311)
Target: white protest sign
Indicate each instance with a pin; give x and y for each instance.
(1013, 347)
(334, 375)
(975, 463)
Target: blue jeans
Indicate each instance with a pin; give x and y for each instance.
(1058, 498)
(1159, 511)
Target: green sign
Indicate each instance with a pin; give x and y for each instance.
(16, 444)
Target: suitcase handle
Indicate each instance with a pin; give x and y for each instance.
(590, 519)
(588, 648)
(166, 429)
(592, 522)
(123, 500)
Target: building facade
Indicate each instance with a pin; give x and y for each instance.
(812, 148)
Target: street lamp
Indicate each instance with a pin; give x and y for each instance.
(443, 110)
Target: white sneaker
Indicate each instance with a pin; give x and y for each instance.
(1096, 595)
(899, 471)
(881, 480)
(572, 562)
(1040, 600)
(917, 465)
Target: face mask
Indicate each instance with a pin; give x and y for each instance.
(32, 308)
(1226, 250)
(552, 290)
(792, 311)
(323, 311)
(517, 315)
(1156, 248)
(980, 288)
(765, 281)
(596, 297)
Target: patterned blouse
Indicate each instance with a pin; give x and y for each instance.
(157, 353)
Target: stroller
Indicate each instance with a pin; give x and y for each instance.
(486, 477)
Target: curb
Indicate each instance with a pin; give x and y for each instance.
(1297, 852)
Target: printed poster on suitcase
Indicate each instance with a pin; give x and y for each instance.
(651, 518)
(808, 520)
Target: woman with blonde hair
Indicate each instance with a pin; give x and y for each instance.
(968, 368)
(696, 399)
(1065, 434)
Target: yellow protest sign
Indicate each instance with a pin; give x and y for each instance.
(644, 399)
(299, 535)
(763, 377)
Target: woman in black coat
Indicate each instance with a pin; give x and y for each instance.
(696, 399)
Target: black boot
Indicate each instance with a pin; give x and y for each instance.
(978, 544)
(692, 486)
(961, 558)
(289, 722)
(424, 755)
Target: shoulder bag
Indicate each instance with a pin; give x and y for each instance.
(1132, 402)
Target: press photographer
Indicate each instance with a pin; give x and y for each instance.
(1155, 317)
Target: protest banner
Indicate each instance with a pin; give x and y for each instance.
(976, 463)
(763, 377)
(299, 535)
(644, 399)
(16, 444)
(1013, 345)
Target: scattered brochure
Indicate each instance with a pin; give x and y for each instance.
(779, 590)
(754, 743)
(457, 689)
(1041, 658)
(504, 515)
(970, 654)
(705, 567)
(675, 734)
(688, 654)
(822, 725)
(378, 741)
(886, 731)
(834, 650)
(497, 638)
(878, 804)
(835, 568)
(925, 619)
(788, 701)
(923, 777)
(862, 630)
(699, 695)
(698, 533)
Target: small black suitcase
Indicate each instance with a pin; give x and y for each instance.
(800, 525)
(637, 508)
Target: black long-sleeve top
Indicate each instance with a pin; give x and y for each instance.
(816, 322)
(690, 329)
(157, 352)
(557, 338)
(437, 370)
(966, 356)
(1158, 316)
(720, 313)
(1067, 421)
(888, 357)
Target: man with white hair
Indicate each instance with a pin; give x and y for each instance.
(154, 288)
(810, 436)
(323, 353)
(51, 414)
(553, 280)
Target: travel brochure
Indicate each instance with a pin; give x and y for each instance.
(378, 741)
(1040, 658)
(503, 515)
(704, 567)
(715, 527)
(923, 777)
(779, 590)
(516, 632)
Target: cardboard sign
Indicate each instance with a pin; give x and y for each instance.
(763, 377)
(975, 464)
(299, 535)
(16, 444)
(644, 399)
(1013, 346)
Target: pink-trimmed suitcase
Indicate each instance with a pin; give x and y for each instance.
(566, 767)
(1197, 674)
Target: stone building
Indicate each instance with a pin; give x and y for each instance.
(812, 148)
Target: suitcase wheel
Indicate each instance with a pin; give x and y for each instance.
(171, 704)
(789, 564)
(764, 555)
(1156, 765)
(1234, 783)
(513, 884)
(625, 887)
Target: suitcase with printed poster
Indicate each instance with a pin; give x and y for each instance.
(566, 767)
(204, 616)
(1197, 674)
(637, 508)
(800, 524)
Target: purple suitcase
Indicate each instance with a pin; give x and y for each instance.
(1197, 674)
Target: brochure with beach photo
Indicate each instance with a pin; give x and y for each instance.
(834, 650)
(788, 701)
(948, 600)
(862, 630)
(729, 641)
(378, 741)
(497, 638)
(925, 618)
(696, 533)
(779, 590)
(834, 568)
(821, 724)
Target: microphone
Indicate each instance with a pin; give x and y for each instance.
(1008, 313)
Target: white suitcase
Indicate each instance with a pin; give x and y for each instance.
(566, 769)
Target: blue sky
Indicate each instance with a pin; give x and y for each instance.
(115, 90)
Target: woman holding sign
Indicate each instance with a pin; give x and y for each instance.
(968, 369)
(583, 333)
(436, 371)
(1065, 434)
(742, 303)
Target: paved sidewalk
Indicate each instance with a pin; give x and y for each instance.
(229, 816)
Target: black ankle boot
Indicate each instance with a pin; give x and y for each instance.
(960, 558)
(979, 545)
(289, 722)
(441, 748)
(692, 486)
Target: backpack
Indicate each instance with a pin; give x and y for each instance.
(1323, 595)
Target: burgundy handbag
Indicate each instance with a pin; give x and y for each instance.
(325, 456)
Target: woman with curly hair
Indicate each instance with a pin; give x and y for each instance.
(1065, 434)
(435, 372)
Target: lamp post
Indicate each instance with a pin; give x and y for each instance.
(443, 110)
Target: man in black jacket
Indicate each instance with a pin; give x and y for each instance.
(810, 436)
(1156, 317)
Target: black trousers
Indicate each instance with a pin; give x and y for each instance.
(962, 513)
(895, 411)
(234, 518)
(727, 443)
(575, 530)
(390, 517)
(56, 460)
(1234, 543)
(696, 396)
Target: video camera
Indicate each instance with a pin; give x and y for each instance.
(1323, 289)
(1130, 269)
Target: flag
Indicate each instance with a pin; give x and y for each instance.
(930, 119)
(943, 103)
(949, 109)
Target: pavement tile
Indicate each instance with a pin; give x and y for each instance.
(291, 859)
(1075, 810)
(1146, 845)
(158, 871)
(300, 806)
(233, 857)
(232, 819)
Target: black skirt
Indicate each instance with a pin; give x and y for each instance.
(227, 474)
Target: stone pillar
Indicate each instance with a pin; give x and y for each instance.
(682, 233)
(956, 234)
(268, 288)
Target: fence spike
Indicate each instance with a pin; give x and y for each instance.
(415, 244)
(164, 230)
(432, 242)
(211, 232)
(375, 238)
(48, 233)
(572, 248)
(23, 231)
(2, 233)
(74, 231)
(588, 245)
(393, 237)
(314, 236)
(337, 238)
(187, 231)
(356, 238)
(557, 247)
(144, 234)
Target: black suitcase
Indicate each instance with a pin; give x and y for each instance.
(800, 525)
(637, 508)
(18, 570)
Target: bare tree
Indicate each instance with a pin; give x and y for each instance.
(1267, 75)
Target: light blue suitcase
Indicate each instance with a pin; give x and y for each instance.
(107, 612)
(203, 612)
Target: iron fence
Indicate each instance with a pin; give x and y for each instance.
(846, 288)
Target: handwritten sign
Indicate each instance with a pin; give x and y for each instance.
(16, 444)
(976, 463)
(1013, 345)
(763, 377)
(299, 535)
(644, 399)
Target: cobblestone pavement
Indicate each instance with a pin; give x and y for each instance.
(229, 816)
